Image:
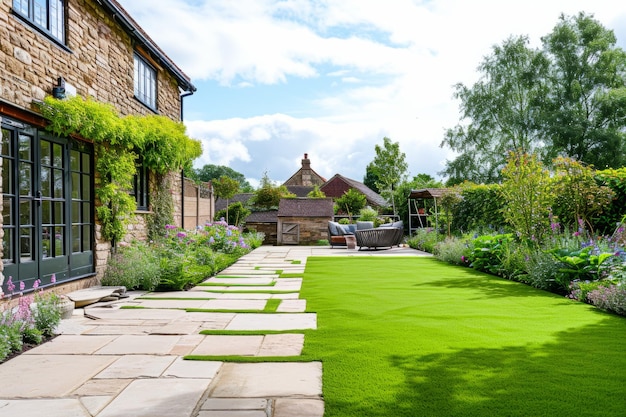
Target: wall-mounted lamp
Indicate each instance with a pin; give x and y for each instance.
(58, 91)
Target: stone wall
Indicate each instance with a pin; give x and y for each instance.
(98, 62)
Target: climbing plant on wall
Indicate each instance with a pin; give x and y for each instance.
(162, 143)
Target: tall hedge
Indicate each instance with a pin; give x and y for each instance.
(479, 210)
(616, 180)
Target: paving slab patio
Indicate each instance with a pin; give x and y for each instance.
(282, 379)
(40, 376)
(169, 397)
(277, 321)
(136, 366)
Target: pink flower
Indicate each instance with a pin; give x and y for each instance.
(53, 279)
(22, 286)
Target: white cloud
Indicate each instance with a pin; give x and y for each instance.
(395, 63)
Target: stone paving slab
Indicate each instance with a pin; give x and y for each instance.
(292, 306)
(242, 281)
(252, 380)
(64, 407)
(216, 345)
(229, 304)
(136, 366)
(277, 321)
(134, 313)
(193, 369)
(164, 397)
(71, 345)
(105, 330)
(195, 292)
(177, 328)
(136, 345)
(241, 296)
(182, 304)
(282, 345)
(105, 387)
(37, 376)
(301, 407)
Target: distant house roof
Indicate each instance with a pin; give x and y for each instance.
(142, 39)
(305, 176)
(270, 216)
(338, 185)
(305, 207)
(300, 190)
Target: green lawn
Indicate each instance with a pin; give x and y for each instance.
(417, 337)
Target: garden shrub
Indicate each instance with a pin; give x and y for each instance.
(47, 313)
(541, 268)
(578, 197)
(452, 250)
(488, 253)
(613, 214)
(135, 266)
(580, 289)
(237, 213)
(368, 214)
(479, 209)
(424, 239)
(587, 263)
(527, 197)
(611, 298)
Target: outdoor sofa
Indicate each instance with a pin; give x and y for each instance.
(385, 236)
(337, 232)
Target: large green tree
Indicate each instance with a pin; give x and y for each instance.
(499, 112)
(390, 168)
(566, 99)
(584, 115)
(211, 172)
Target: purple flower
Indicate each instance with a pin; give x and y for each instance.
(170, 226)
(11, 285)
(22, 286)
(181, 235)
(36, 284)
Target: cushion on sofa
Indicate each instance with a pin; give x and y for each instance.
(332, 228)
(364, 225)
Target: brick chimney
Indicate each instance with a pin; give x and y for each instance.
(306, 162)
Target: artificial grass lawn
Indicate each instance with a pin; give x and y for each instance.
(417, 337)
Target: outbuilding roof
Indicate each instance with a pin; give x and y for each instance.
(305, 207)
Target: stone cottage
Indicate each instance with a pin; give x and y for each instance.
(90, 48)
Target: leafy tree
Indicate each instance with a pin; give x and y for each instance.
(351, 202)
(211, 172)
(225, 188)
(390, 167)
(528, 197)
(268, 195)
(316, 193)
(501, 110)
(585, 107)
(567, 98)
(371, 178)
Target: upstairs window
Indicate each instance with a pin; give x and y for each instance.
(47, 16)
(145, 82)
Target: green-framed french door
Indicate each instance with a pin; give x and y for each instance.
(47, 190)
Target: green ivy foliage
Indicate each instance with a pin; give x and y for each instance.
(162, 143)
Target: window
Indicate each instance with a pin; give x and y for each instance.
(145, 82)
(45, 15)
(140, 187)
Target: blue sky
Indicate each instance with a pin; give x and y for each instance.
(331, 78)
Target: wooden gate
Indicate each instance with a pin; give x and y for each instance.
(290, 233)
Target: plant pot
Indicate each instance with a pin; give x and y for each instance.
(67, 307)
